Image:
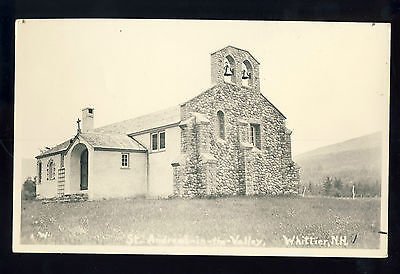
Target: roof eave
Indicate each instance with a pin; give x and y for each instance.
(50, 154)
(103, 148)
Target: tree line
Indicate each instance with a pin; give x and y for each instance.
(335, 187)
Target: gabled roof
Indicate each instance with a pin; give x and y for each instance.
(111, 140)
(56, 149)
(237, 49)
(161, 118)
(98, 140)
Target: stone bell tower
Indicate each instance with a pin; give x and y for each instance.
(235, 66)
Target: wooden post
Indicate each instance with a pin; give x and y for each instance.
(354, 192)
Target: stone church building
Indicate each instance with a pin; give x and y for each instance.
(228, 140)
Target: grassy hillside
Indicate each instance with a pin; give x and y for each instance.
(356, 161)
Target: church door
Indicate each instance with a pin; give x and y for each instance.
(84, 170)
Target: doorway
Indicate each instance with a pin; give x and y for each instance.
(84, 170)
(79, 171)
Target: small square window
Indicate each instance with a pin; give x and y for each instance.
(125, 160)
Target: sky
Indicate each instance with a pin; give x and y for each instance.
(331, 80)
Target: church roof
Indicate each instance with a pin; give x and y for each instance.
(56, 149)
(157, 119)
(111, 141)
(98, 140)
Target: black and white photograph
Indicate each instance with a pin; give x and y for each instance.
(204, 137)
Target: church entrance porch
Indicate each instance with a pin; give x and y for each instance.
(79, 169)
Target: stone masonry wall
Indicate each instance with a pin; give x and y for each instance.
(211, 166)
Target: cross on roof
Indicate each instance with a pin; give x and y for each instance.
(79, 126)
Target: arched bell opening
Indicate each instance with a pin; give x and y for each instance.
(229, 69)
(247, 74)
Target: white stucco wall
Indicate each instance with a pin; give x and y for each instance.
(106, 178)
(160, 170)
(48, 188)
(109, 180)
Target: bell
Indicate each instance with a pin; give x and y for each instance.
(245, 75)
(228, 71)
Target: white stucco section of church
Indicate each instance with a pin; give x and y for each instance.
(48, 188)
(110, 180)
(160, 176)
(106, 177)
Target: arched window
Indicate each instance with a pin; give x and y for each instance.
(229, 69)
(221, 125)
(51, 170)
(247, 74)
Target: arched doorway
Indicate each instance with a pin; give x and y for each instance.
(84, 170)
(79, 168)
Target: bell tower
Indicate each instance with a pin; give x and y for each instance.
(235, 66)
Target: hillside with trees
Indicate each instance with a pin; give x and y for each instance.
(333, 170)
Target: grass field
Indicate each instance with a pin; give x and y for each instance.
(223, 221)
